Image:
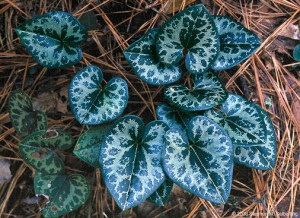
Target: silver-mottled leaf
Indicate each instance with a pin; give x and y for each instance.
(242, 121)
(208, 92)
(130, 160)
(236, 43)
(161, 195)
(141, 55)
(53, 39)
(201, 162)
(191, 30)
(263, 156)
(92, 105)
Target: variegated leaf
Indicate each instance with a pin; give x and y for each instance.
(242, 121)
(53, 39)
(88, 145)
(208, 92)
(142, 57)
(130, 160)
(191, 31)
(65, 192)
(236, 43)
(24, 119)
(161, 195)
(92, 105)
(37, 150)
(174, 117)
(202, 161)
(263, 156)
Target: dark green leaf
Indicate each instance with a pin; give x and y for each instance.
(296, 53)
(191, 31)
(24, 119)
(88, 145)
(65, 192)
(53, 39)
(141, 56)
(161, 195)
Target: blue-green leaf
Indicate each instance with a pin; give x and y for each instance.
(64, 192)
(142, 57)
(241, 119)
(92, 105)
(24, 119)
(37, 150)
(202, 161)
(161, 195)
(208, 92)
(174, 117)
(190, 31)
(53, 39)
(236, 43)
(296, 53)
(88, 145)
(263, 156)
(130, 160)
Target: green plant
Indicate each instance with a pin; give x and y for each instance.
(296, 53)
(200, 133)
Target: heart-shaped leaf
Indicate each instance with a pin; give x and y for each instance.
(142, 57)
(53, 39)
(88, 145)
(208, 92)
(296, 53)
(174, 117)
(201, 162)
(191, 31)
(92, 105)
(262, 157)
(24, 119)
(37, 150)
(130, 160)
(236, 43)
(65, 192)
(242, 121)
(161, 195)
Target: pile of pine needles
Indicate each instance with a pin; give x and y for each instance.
(269, 78)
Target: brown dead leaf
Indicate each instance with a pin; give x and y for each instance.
(176, 5)
(291, 31)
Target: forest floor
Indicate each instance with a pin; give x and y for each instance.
(269, 78)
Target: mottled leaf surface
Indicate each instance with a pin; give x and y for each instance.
(142, 57)
(130, 160)
(174, 117)
(88, 145)
(201, 161)
(241, 119)
(92, 105)
(208, 92)
(191, 31)
(161, 195)
(263, 156)
(24, 119)
(65, 192)
(236, 43)
(52, 39)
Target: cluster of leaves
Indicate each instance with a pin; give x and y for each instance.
(41, 149)
(200, 133)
